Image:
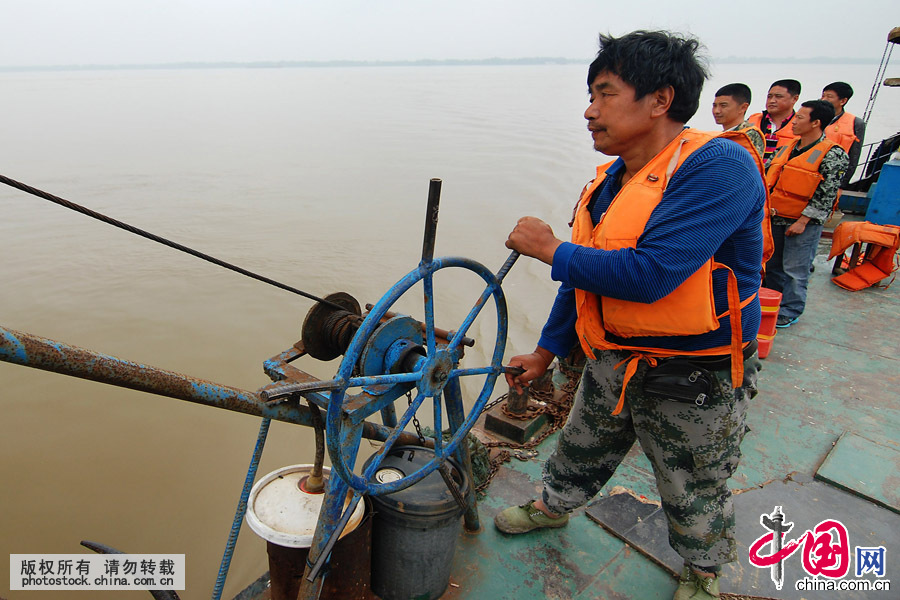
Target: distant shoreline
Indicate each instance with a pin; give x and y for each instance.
(294, 64)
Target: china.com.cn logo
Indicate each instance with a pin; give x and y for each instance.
(825, 552)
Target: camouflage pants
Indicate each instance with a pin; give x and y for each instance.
(693, 450)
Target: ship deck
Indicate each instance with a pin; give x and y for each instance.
(823, 444)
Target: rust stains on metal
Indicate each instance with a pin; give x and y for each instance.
(49, 355)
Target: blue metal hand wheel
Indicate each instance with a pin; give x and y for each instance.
(430, 373)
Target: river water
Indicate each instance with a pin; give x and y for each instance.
(314, 177)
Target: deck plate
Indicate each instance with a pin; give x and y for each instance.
(865, 468)
(804, 501)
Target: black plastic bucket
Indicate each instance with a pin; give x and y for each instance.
(414, 531)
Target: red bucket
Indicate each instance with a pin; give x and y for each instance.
(769, 301)
(765, 345)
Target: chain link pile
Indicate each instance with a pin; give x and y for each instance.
(546, 401)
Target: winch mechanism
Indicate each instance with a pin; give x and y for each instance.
(386, 357)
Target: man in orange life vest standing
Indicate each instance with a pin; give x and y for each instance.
(775, 121)
(659, 287)
(728, 109)
(803, 178)
(847, 130)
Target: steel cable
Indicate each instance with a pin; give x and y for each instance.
(150, 236)
(882, 69)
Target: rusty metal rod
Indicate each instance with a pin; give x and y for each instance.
(104, 549)
(316, 568)
(48, 355)
(380, 433)
(517, 403)
(431, 220)
(314, 483)
(510, 261)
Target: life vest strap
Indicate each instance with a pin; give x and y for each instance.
(630, 369)
(742, 305)
(736, 346)
(735, 309)
(673, 163)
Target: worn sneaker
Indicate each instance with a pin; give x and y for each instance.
(785, 322)
(520, 519)
(707, 588)
(696, 587)
(686, 585)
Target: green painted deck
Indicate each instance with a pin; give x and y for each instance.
(834, 372)
(880, 486)
(833, 376)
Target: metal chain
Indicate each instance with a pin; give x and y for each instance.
(882, 68)
(415, 419)
(502, 457)
(558, 412)
(494, 403)
(443, 470)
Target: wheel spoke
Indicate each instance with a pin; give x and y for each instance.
(375, 462)
(438, 428)
(428, 283)
(360, 407)
(358, 411)
(470, 318)
(489, 370)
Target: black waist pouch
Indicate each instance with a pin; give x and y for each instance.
(681, 380)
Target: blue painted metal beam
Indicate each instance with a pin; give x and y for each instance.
(49, 355)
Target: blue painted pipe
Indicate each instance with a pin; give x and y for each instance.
(48, 355)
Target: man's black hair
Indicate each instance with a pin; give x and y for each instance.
(651, 60)
(820, 111)
(843, 90)
(791, 85)
(739, 91)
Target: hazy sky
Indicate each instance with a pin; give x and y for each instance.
(71, 32)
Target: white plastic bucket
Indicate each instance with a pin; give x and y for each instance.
(280, 512)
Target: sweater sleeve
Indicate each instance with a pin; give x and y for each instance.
(558, 335)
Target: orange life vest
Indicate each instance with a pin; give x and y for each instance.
(785, 134)
(688, 310)
(879, 259)
(752, 146)
(793, 181)
(841, 131)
